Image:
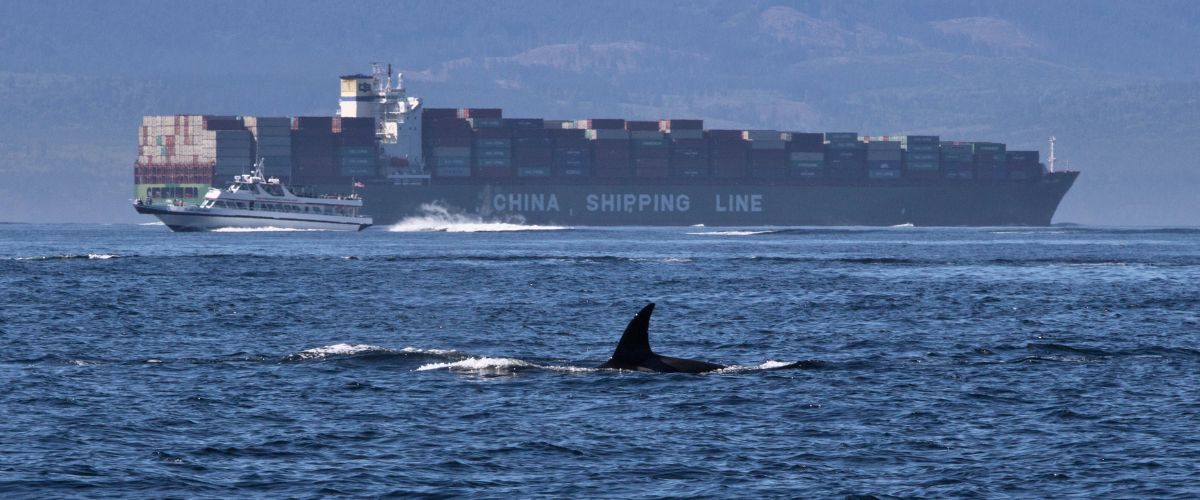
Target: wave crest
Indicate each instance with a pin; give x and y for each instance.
(438, 218)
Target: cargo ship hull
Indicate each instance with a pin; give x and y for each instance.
(667, 203)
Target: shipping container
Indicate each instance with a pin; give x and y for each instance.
(601, 124)
(762, 135)
(607, 134)
(932, 140)
(486, 122)
(533, 171)
(641, 126)
(437, 113)
(316, 123)
(493, 113)
(452, 171)
(676, 125)
(842, 137)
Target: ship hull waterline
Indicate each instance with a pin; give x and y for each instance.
(195, 221)
(946, 203)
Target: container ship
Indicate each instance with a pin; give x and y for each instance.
(407, 158)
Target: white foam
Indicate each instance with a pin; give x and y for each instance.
(676, 260)
(267, 229)
(478, 364)
(102, 256)
(772, 364)
(439, 352)
(729, 233)
(766, 365)
(906, 224)
(437, 218)
(569, 369)
(159, 223)
(336, 350)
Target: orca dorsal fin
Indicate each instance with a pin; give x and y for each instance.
(635, 342)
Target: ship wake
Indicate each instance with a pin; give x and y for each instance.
(438, 218)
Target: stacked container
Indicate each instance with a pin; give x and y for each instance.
(358, 154)
(650, 150)
(176, 140)
(689, 152)
(446, 141)
(922, 156)
(806, 155)
(610, 146)
(572, 153)
(958, 160)
(232, 144)
(493, 152)
(728, 153)
(532, 149)
(272, 144)
(990, 161)
(768, 154)
(883, 159)
(172, 161)
(1023, 165)
(845, 155)
(314, 150)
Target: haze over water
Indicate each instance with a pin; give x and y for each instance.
(989, 361)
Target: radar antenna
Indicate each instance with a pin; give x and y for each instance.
(1050, 160)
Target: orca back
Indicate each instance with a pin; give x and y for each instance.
(633, 351)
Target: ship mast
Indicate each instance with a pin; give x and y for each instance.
(1052, 158)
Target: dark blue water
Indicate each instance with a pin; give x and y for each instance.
(989, 362)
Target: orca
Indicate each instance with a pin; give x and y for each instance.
(633, 351)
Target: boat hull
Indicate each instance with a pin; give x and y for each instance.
(191, 219)
(928, 203)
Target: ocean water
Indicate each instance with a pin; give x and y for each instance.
(459, 362)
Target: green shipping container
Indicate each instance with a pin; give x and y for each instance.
(359, 151)
(486, 122)
(493, 143)
(357, 162)
(492, 153)
(356, 171)
(493, 162)
(452, 162)
(649, 143)
(807, 164)
(922, 165)
(922, 148)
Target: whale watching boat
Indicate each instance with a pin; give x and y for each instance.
(253, 201)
